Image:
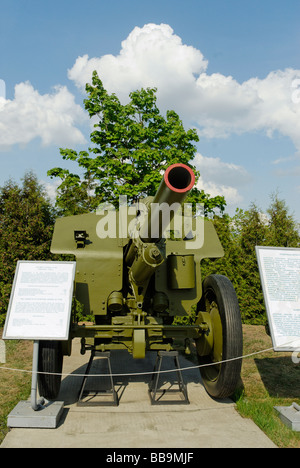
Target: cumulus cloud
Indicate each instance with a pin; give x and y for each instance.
(51, 117)
(217, 105)
(231, 194)
(220, 178)
(150, 56)
(221, 172)
(2, 89)
(50, 189)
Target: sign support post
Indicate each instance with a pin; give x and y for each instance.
(35, 405)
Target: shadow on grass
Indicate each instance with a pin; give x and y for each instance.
(280, 376)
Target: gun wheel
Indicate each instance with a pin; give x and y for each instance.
(50, 361)
(220, 301)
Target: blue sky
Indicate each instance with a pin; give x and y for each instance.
(229, 68)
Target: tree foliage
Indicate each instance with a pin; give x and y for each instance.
(132, 145)
(26, 225)
(239, 235)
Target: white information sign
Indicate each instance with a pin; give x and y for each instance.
(41, 301)
(280, 277)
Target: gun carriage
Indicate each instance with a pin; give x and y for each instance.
(135, 275)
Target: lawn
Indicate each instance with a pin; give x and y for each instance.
(14, 386)
(268, 379)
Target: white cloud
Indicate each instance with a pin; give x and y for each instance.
(150, 56)
(51, 189)
(51, 117)
(230, 194)
(219, 178)
(288, 172)
(221, 172)
(2, 89)
(285, 160)
(218, 105)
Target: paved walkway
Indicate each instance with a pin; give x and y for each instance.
(135, 423)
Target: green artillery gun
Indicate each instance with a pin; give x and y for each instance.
(136, 272)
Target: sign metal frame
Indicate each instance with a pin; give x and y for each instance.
(279, 269)
(41, 301)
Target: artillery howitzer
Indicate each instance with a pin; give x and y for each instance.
(136, 284)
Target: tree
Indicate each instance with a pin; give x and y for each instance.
(239, 235)
(283, 229)
(75, 196)
(131, 145)
(26, 225)
(253, 231)
(276, 229)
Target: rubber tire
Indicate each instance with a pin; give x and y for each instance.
(221, 381)
(50, 361)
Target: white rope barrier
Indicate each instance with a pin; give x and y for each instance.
(144, 373)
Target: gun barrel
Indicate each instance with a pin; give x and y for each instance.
(177, 182)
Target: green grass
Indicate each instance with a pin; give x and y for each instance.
(268, 379)
(14, 386)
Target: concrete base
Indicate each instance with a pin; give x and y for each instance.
(290, 416)
(46, 417)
